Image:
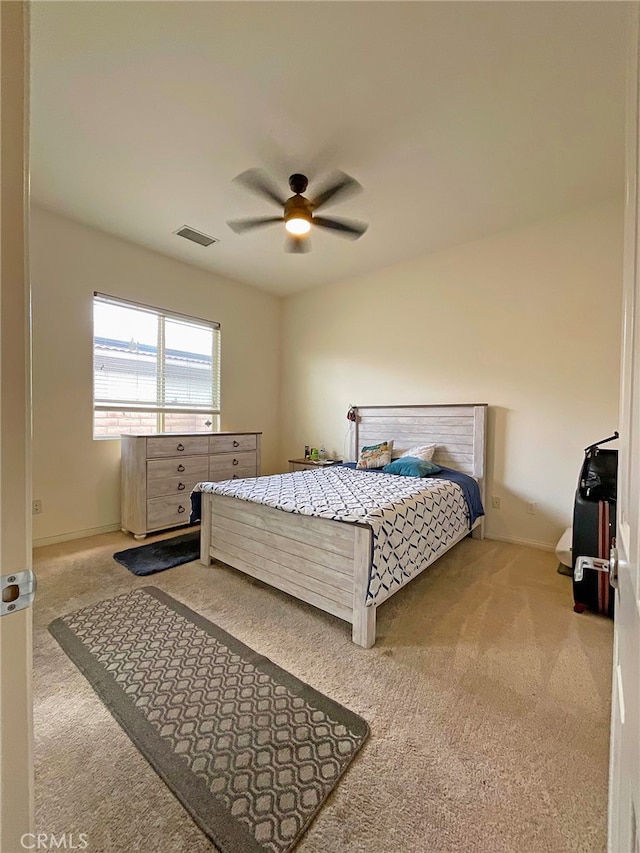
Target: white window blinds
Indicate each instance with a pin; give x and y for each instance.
(149, 360)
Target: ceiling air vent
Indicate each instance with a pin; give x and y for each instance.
(195, 236)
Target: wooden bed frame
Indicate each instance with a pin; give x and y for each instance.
(326, 563)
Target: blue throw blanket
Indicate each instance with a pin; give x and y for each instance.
(196, 507)
(470, 490)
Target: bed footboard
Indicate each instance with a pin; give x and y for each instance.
(322, 562)
(478, 529)
(363, 617)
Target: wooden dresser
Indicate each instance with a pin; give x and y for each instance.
(159, 470)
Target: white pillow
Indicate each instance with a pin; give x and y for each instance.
(422, 451)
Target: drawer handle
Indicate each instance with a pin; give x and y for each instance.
(235, 462)
(236, 443)
(181, 467)
(181, 487)
(181, 508)
(180, 447)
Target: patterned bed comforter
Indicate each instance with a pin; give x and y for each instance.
(413, 520)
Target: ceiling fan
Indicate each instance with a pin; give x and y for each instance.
(298, 212)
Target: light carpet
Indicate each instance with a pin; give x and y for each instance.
(487, 697)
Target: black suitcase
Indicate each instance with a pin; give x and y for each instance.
(594, 528)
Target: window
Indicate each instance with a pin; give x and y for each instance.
(153, 371)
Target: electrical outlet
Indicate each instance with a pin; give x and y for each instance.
(532, 507)
(495, 502)
(37, 507)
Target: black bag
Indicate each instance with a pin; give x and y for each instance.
(599, 474)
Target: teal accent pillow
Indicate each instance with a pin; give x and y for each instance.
(411, 466)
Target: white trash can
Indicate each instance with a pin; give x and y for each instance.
(563, 552)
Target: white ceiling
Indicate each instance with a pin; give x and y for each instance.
(459, 119)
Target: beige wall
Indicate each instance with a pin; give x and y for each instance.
(528, 322)
(75, 476)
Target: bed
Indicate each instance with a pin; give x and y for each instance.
(332, 560)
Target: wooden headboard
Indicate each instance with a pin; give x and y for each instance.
(458, 430)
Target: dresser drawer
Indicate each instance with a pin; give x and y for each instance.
(232, 473)
(180, 485)
(186, 445)
(231, 443)
(168, 511)
(231, 461)
(187, 466)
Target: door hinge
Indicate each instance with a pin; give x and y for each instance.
(17, 591)
(613, 565)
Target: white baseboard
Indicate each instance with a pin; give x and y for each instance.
(76, 534)
(530, 543)
(112, 528)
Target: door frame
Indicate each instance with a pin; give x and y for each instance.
(16, 700)
(624, 754)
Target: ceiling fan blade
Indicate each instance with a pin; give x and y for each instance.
(341, 186)
(242, 225)
(298, 245)
(258, 182)
(345, 227)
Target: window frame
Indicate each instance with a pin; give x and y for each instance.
(158, 409)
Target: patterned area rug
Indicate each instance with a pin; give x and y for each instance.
(158, 556)
(250, 751)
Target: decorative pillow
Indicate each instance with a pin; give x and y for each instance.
(422, 451)
(411, 466)
(375, 455)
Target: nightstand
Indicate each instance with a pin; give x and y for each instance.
(307, 464)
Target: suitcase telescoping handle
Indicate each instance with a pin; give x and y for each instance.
(597, 564)
(602, 441)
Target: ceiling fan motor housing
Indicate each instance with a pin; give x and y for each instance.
(298, 183)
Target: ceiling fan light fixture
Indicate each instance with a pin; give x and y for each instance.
(298, 225)
(299, 212)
